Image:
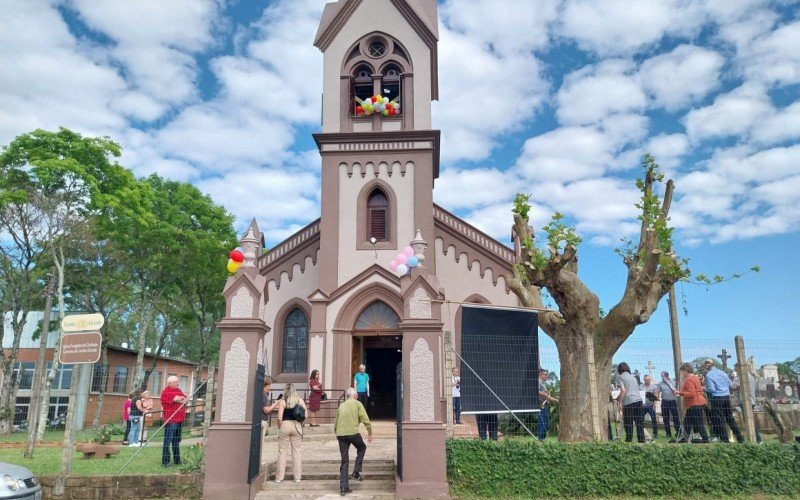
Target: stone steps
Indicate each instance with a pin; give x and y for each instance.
(321, 480)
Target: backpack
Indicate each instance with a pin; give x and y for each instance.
(299, 413)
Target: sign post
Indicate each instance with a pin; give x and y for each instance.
(78, 349)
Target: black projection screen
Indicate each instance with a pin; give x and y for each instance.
(502, 347)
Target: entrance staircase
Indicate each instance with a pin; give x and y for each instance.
(321, 466)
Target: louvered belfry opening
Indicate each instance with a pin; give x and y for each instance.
(378, 215)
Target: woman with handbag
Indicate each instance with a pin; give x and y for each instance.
(291, 414)
(315, 396)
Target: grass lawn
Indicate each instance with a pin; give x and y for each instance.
(48, 461)
(84, 436)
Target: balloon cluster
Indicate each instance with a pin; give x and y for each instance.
(377, 104)
(236, 259)
(405, 260)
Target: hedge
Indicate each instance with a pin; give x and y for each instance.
(518, 467)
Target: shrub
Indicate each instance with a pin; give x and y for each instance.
(192, 459)
(102, 435)
(524, 467)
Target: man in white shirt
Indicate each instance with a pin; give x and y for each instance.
(456, 396)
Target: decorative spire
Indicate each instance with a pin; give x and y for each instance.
(419, 245)
(250, 243)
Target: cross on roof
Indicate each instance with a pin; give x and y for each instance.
(650, 367)
(724, 357)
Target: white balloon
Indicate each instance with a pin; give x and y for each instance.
(402, 270)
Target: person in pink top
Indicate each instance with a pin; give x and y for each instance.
(126, 417)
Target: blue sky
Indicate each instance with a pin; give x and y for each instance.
(554, 98)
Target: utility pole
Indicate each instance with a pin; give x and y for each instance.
(677, 359)
(40, 374)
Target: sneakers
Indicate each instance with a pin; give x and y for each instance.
(358, 476)
(279, 480)
(714, 440)
(345, 491)
(682, 440)
(296, 480)
(134, 445)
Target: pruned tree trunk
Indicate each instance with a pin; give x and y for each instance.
(9, 386)
(587, 339)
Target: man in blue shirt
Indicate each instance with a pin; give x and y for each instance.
(718, 387)
(361, 385)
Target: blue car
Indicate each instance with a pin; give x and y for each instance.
(18, 483)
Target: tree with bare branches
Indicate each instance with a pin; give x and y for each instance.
(585, 337)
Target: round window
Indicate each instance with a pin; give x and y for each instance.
(377, 48)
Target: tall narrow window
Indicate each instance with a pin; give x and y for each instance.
(120, 379)
(362, 85)
(378, 216)
(390, 82)
(295, 342)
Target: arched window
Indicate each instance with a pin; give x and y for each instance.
(378, 216)
(377, 317)
(295, 342)
(390, 82)
(362, 84)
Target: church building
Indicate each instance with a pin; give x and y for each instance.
(327, 293)
(332, 296)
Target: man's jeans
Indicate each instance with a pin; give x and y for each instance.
(651, 410)
(172, 437)
(487, 424)
(544, 423)
(457, 409)
(344, 450)
(362, 396)
(722, 417)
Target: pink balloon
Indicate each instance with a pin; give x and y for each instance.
(408, 251)
(393, 265)
(401, 258)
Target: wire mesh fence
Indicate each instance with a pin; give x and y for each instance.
(656, 390)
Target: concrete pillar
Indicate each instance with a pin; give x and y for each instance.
(424, 469)
(229, 435)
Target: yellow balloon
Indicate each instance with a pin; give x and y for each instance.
(233, 266)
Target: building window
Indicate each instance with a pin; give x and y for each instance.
(24, 373)
(21, 407)
(362, 86)
(295, 342)
(99, 377)
(155, 383)
(390, 82)
(120, 379)
(63, 377)
(377, 48)
(185, 384)
(57, 410)
(377, 317)
(378, 216)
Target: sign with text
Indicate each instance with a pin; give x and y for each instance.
(80, 348)
(82, 322)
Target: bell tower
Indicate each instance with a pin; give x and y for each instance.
(379, 154)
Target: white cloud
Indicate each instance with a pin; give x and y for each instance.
(503, 89)
(783, 125)
(595, 92)
(625, 27)
(668, 149)
(681, 77)
(730, 114)
(774, 58)
(155, 42)
(468, 188)
(565, 154)
(497, 23)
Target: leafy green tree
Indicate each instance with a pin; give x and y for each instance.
(579, 327)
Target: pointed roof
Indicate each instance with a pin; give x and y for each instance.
(420, 14)
(253, 232)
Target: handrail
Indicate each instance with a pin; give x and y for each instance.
(342, 394)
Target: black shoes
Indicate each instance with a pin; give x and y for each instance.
(345, 491)
(358, 476)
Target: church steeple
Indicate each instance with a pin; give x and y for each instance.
(380, 80)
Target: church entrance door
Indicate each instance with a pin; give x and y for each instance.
(377, 344)
(381, 356)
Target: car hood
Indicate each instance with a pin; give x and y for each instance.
(14, 471)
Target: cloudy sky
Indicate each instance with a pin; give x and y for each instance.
(550, 97)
